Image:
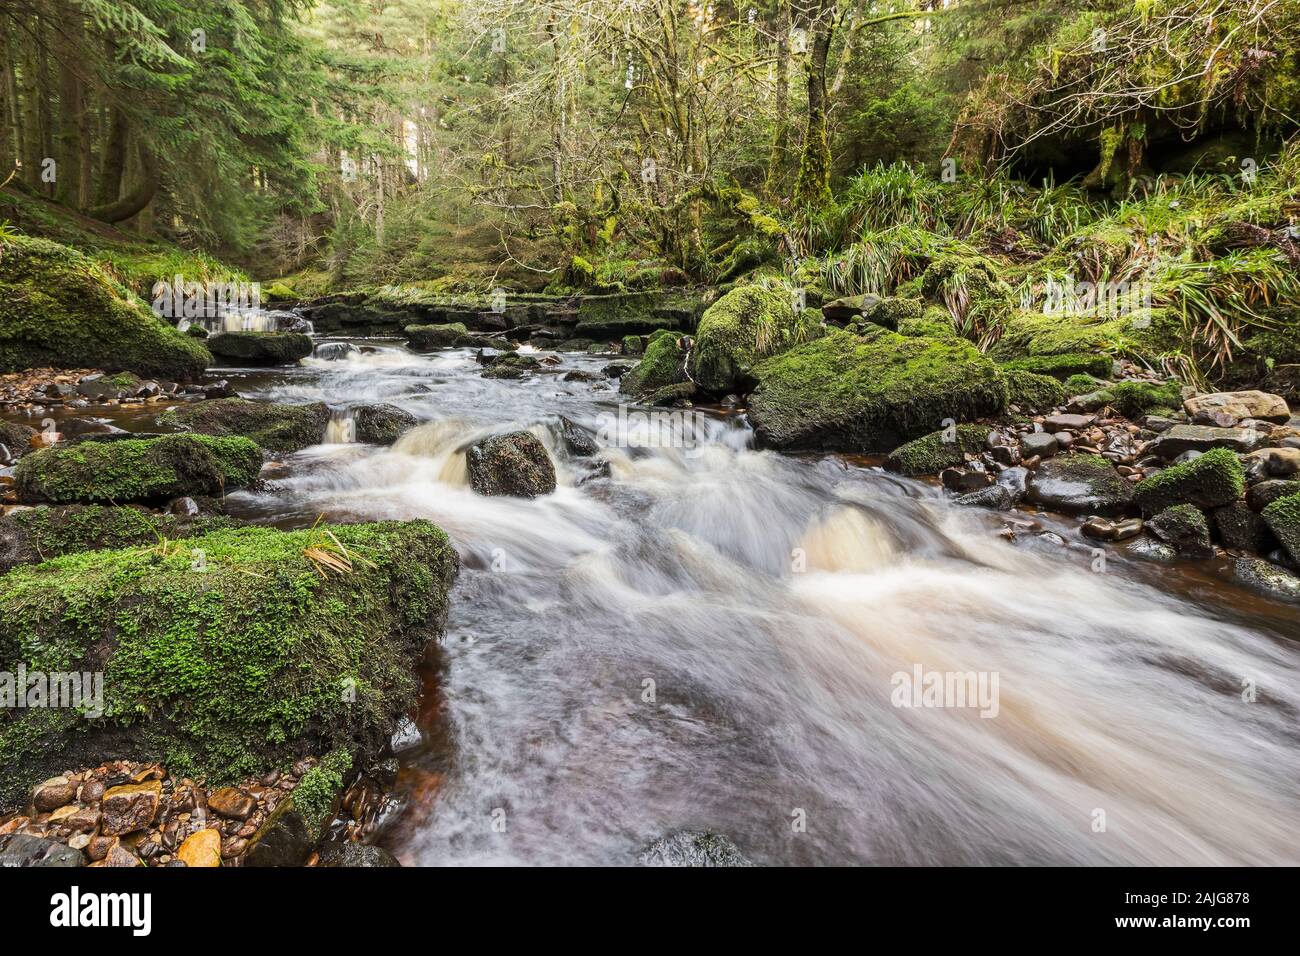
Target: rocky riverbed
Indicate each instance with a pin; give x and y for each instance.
(661, 632)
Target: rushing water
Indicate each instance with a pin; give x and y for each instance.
(707, 638)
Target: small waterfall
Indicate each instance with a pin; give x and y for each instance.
(250, 320)
(342, 427)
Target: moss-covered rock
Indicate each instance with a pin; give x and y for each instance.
(381, 424)
(932, 453)
(1211, 480)
(33, 535)
(1080, 484)
(516, 464)
(137, 469)
(871, 393)
(934, 323)
(276, 427)
(261, 348)
(740, 329)
(1063, 366)
(607, 318)
(1134, 399)
(1081, 384)
(1185, 528)
(227, 654)
(1283, 519)
(58, 309)
(453, 335)
(1033, 392)
(662, 365)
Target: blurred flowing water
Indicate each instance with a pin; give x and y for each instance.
(706, 637)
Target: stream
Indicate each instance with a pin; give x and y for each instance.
(707, 638)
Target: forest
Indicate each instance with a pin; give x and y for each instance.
(388, 383)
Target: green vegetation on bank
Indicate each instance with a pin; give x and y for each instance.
(225, 654)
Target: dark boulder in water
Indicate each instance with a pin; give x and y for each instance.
(381, 424)
(261, 348)
(1081, 484)
(516, 465)
(693, 848)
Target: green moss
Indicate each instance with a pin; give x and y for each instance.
(1064, 365)
(1283, 519)
(1213, 479)
(38, 534)
(741, 328)
(934, 322)
(1037, 334)
(261, 348)
(1033, 392)
(59, 309)
(1080, 384)
(320, 787)
(229, 654)
(1134, 399)
(279, 292)
(150, 469)
(276, 427)
(871, 393)
(662, 366)
(932, 453)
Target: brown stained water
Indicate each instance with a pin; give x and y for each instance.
(708, 637)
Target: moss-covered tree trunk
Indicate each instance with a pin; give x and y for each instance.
(813, 188)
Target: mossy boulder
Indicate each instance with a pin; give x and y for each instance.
(1211, 480)
(662, 365)
(32, 535)
(227, 654)
(871, 393)
(1185, 528)
(516, 465)
(1033, 392)
(1080, 484)
(1063, 366)
(932, 453)
(1134, 399)
(1283, 519)
(381, 424)
(740, 329)
(453, 335)
(935, 323)
(58, 309)
(261, 348)
(276, 427)
(137, 469)
(607, 318)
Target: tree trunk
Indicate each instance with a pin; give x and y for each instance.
(781, 122)
(813, 187)
(113, 164)
(135, 201)
(72, 123)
